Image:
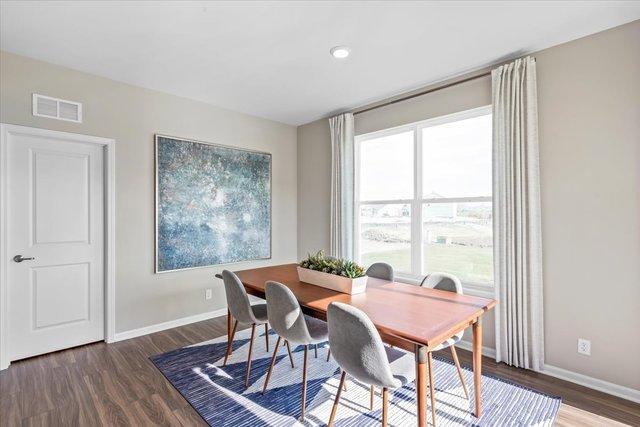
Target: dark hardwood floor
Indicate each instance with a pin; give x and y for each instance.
(116, 384)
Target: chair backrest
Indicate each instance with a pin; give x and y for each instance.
(380, 270)
(237, 298)
(357, 347)
(284, 313)
(443, 282)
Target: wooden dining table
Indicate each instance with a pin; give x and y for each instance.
(409, 317)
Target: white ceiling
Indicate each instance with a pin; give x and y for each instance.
(271, 59)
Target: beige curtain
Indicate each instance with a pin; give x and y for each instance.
(517, 231)
(342, 170)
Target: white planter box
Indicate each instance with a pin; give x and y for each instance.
(333, 281)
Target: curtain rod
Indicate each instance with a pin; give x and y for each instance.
(424, 92)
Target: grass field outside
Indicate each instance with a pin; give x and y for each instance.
(470, 264)
(456, 238)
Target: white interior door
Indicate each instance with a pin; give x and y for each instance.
(55, 238)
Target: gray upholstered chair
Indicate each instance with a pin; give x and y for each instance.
(287, 319)
(450, 283)
(380, 270)
(243, 312)
(384, 271)
(358, 349)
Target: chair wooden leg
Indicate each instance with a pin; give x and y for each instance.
(344, 386)
(328, 354)
(289, 351)
(248, 374)
(230, 343)
(432, 388)
(457, 362)
(266, 335)
(385, 406)
(373, 392)
(315, 348)
(334, 409)
(304, 383)
(273, 362)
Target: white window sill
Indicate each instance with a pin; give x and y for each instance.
(474, 289)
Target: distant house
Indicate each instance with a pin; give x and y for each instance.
(392, 211)
(439, 210)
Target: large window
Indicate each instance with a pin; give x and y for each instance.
(423, 197)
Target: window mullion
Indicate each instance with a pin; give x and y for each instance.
(458, 199)
(416, 208)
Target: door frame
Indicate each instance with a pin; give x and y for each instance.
(108, 144)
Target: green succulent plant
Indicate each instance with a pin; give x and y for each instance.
(331, 265)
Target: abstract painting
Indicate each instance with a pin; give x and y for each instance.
(213, 204)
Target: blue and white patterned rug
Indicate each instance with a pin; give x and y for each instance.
(218, 393)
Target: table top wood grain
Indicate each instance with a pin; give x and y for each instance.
(419, 315)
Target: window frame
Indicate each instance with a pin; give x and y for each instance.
(417, 202)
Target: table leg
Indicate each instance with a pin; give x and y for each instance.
(477, 365)
(432, 389)
(421, 384)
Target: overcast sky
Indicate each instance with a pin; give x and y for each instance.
(456, 162)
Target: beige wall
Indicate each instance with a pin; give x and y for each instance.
(131, 116)
(589, 124)
(314, 187)
(589, 130)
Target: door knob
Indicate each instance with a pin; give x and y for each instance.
(20, 258)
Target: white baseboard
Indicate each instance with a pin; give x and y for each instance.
(594, 383)
(574, 377)
(121, 336)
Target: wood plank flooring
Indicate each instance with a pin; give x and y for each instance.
(116, 384)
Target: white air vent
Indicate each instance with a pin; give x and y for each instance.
(54, 108)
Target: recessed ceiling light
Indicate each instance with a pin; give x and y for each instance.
(340, 52)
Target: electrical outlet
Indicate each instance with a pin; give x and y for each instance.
(584, 346)
(208, 294)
